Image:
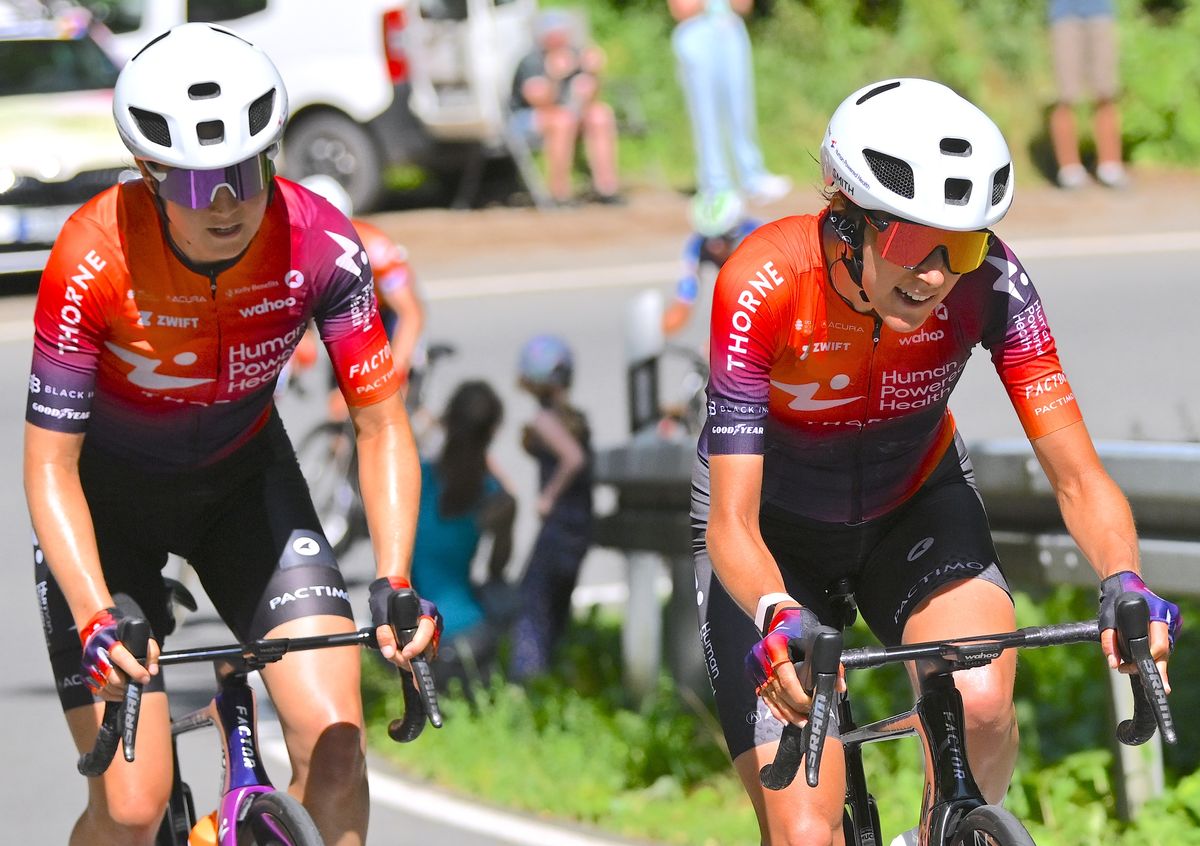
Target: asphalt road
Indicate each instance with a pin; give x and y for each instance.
(1122, 314)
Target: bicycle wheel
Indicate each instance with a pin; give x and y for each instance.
(990, 825)
(326, 456)
(276, 819)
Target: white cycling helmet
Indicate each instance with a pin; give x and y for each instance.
(713, 215)
(326, 186)
(199, 97)
(915, 149)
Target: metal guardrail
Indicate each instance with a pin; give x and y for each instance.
(650, 523)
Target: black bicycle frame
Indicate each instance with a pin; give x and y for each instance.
(937, 720)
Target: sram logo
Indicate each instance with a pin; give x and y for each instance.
(267, 306)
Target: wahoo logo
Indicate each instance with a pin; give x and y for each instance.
(922, 337)
(267, 306)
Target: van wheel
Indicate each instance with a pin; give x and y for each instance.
(334, 145)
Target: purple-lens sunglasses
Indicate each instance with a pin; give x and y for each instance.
(196, 189)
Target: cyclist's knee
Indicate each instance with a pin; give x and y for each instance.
(334, 759)
(802, 830)
(126, 818)
(987, 702)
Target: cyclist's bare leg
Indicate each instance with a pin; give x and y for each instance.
(974, 607)
(317, 697)
(797, 815)
(126, 804)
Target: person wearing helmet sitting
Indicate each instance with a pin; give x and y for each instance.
(719, 223)
(559, 439)
(829, 454)
(166, 310)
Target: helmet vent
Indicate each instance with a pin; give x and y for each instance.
(894, 174)
(958, 191)
(149, 44)
(260, 112)
(1000, 183)
(956, 147)
(204, 91)
(875, 91)
(153, 126)
(210, 132)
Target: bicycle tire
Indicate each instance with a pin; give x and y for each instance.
(990, 825)
(277, 819)
(328, 467)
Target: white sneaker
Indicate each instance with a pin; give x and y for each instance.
(908, 838)
(1112, 174)
(1072, 176)
(770, 188)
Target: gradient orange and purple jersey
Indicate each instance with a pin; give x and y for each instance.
(169, 367)
(851, 417)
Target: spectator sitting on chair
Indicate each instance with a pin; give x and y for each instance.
(554, 101)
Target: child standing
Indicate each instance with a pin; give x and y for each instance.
(559, 440)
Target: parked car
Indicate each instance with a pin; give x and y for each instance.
(374, 85)
(58, 144)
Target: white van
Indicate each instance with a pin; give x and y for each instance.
(373, 84)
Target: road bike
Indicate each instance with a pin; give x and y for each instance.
(329, 459)
(954, 813)
(251, 811)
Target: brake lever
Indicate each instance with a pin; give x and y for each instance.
(134, 633)
(1150, 707)
(420, 699)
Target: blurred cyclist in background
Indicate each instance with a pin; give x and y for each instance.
(559, 440)
(166, 310)
(719, 223)
(400, 308)
(830, 460)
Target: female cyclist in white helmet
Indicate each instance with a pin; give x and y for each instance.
(830, 461)
(167, 308)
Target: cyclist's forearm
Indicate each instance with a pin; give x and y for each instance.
(1099, 519)
(390, 479)
(63, 525)
(742, 562)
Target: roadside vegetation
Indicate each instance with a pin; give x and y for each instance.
(572, 747)
(809, 54)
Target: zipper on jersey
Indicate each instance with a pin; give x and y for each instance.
(212, 280)
(856, 481)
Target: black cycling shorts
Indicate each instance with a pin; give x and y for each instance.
(246, 524)
(940, 535)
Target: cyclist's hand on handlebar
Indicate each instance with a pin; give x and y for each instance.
(770, 665)
(106, 663)
(1165, 622)
(429, 626)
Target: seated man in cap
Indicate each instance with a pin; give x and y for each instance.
(554, 101)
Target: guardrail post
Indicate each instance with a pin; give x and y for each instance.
(641, 631)
(1140, 767)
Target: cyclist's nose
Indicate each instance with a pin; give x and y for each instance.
(224, 200)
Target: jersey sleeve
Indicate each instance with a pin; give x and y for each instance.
(347, 317)
(69, 329)
(742, 347)
(1024, 353)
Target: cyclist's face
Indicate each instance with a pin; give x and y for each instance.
(218, 233)
(904, 298)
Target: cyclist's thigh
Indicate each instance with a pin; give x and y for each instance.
(262, 557)
(941, 537)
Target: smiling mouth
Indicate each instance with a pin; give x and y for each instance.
(225, 231)
(913, 299)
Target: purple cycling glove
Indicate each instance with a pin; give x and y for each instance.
(99, 637)
(787, 625)
(1161, 610)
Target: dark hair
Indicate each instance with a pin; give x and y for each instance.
(472, 416)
